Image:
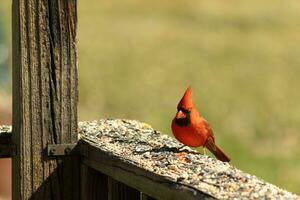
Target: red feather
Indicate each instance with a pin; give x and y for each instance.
(191, 129)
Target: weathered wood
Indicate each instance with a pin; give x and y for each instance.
(94, 185)
(108, 147)
(118, 190)
(158, 187)
(7, 148)
(144, 196)
(44, 97)
(133, 153)
(83, 181)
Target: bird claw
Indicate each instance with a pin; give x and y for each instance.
(186, 151)
(180, 148)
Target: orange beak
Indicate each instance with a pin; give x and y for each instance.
(180, 115)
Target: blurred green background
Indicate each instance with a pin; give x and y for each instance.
(242, 59)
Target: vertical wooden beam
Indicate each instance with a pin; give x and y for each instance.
(96, 185)
(93, 184)
(118, 190)
(44, 97)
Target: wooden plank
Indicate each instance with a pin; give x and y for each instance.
(94, 185)
(83, 181)
(145, 197)
(44, 97)
(158, 187)
(7, 151)
(7, 148)
(118, 190)
(135, 154)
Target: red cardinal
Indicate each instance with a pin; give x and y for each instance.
(191, 129)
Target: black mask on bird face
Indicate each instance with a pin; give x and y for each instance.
(183, 117)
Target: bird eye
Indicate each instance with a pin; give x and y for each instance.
(183, 110)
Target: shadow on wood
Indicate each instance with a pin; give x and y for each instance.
(96, 185)
(59, 185)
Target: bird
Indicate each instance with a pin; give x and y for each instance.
(191, 129)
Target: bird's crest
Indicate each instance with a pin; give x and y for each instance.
(186, 101)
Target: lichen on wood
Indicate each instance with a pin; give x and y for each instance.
(142, 147)
(134, 153)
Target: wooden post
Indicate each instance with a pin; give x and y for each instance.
(44, 97)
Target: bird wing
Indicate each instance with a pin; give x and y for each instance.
(208, 128)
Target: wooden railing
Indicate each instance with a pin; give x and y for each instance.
(127, 159)
(132, 153)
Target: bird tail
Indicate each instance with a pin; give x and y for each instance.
(212, 147)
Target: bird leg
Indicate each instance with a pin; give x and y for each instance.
(180, 148)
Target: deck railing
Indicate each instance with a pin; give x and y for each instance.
(127, 159)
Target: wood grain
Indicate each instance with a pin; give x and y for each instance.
(44, 97)
(118, 190)
(96, 185)
(158, 187)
